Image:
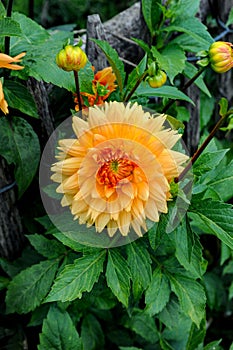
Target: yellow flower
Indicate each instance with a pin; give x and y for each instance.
(6, 61)
(117, 173)
(71, 58)
(221, 56)
(3, 103)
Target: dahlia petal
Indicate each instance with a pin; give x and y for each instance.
(101, 221)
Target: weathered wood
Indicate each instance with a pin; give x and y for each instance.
(11, 231)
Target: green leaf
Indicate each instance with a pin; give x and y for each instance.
(196, 336)
(165, 91)
(9, 27)
(118, 276)
(114, 60)
(91, 333)
(20, 145)
(223, 104)
(213, 217)
(139, 263)
(189, 71)
(151, 13)
(18, 97)
(193, 27)
(136, 73)
(4, 281)
(186, 8)
(191, 296)
(208, 161)
(213, 345)
(49, 248)
(27, 289)
(230, 17)
(188, 249)
(172, 60)
(158, 293)
(144, 325)
(77, 278)
(58, 332)
(207, 104)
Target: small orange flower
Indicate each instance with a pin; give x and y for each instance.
(6, 61)
(102, 86)
(3, 102)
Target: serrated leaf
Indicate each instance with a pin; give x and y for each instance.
(77, 278)
(151, 13)
(49, 248)
(91, 333)
(58, 332)
(114, 60)
(20, 145)
(18, 97)
(9, 27)
(189, 71)
(136, 73)
(27, 289)
(191, 296)
(188, 249)
(165, 91)
(139, 263)
(194, 28)
(186, 8)
(213, 217)
(158, 293)
(208, 161)
(144, 325)
(118, 276)
(196, 336)
(171, 59)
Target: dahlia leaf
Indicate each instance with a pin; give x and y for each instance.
(189, 71)
(208, 161)
(9, 27)
(118, 276)
(19, 144)
(27, 289)
(213, 217)
(143, 325)
(139, 263)
(91, 333)
(194, 28)
(114, 60)
(18, 97)
(188, 249)
(165, 91)
(59, 332)
(191, 296)
(158, 293)
(49, 248)
(171, 59)
(151, 10)
(77, 278)
(136, 73)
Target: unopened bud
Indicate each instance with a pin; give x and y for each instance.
(71, 58)
(221, 56)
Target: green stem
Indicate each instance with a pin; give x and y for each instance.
(201, 148)
(7, 38)
(187, 85)
(138, 82)
(78, 91)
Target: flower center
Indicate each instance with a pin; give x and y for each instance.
(115, 169)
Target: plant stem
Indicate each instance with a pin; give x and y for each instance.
(201, 149)
(138, 82)
(188, 84)
(7, 38)
(78, 91)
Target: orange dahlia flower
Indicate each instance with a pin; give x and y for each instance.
(3, 102)
(6, 61)
(117, 173)
(102, 86)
